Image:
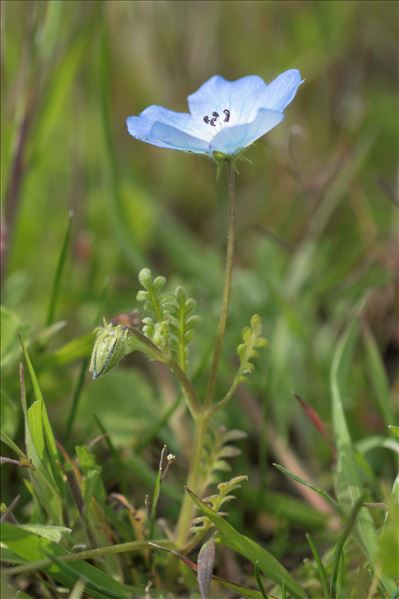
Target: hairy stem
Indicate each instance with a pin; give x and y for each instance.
(201, 419)
(194, 481)
(188, 391)
(228, 273)
(220, 404)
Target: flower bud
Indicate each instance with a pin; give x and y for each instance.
(110, 347)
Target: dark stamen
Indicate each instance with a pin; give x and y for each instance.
(215, 116)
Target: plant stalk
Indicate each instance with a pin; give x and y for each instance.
(201, 419)
(194, 480)
(228, 274)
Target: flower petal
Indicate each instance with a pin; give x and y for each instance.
(152, 114)
(167, 129)
(281, 91)
(233, 139)
(240, 97)
(166, 136)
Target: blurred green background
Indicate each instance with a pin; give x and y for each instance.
(317, 208)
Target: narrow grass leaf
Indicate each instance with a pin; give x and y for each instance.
(75, 400)
(156, 493)
(249, 549)
(306, 483)
(55, 291)
(42, 487)
(347, 482)
(4, 438)
(239, 590)
(259, 582)
(320, 567)
(82, 374)
(41, 430)
(95, 589)
(116, 208)
(378, 378)
(339, 549)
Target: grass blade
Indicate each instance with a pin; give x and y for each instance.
(320, 567)
(306, 483)
(96, 590)
(378, 378)
(55, 292)
(338, 554)
(4, 438)
(81, 378)
(46, 475)
(39, 422)
(114, 195)
(156, 493)
(259, 582)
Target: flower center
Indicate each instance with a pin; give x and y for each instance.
(213, 120)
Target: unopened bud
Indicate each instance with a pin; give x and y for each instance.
(109, 349)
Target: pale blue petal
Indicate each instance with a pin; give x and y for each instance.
(231, 140)
(175, 139)
(152, 114)
(240, 97)
(167, 129)
(281, 91)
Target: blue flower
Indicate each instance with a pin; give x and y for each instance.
(225, 116)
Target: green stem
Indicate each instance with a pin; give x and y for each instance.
(89, 554)
(220, 404)
(228, 274)
(201, 419)
(194, 481)
(188, 391)
(157, 354)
